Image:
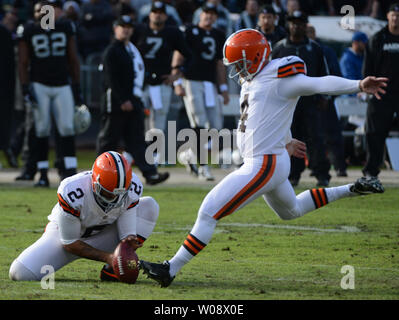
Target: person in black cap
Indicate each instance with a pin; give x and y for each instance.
(382, 59)
(157, 43)
(306, 125)
(122, 110)
(267, 25)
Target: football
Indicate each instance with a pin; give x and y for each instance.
(125, 263)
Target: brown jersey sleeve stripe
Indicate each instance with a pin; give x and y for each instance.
(291, 73)
(133, 204)
(66, 207)
(261, 178)
(290, 66)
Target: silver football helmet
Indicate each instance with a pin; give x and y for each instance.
(82, 119)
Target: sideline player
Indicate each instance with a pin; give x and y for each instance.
(47, 61)
(199, 87)
(269, 94)
(95, 211)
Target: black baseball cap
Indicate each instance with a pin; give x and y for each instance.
(124, 21)
(54, 3)
(297, 15)
(267, 8)
(394, 7)
(158, 6)
(209, 7)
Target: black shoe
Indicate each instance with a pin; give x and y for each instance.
(108, 274)
(26, 176)
(192, 168)
(342, 173)
(367, 185)
(294, 182)
(157, 178)
(158, 272)
(11, 158)
(322, 183)
(42, 183)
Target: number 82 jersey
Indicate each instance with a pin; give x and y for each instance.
(48, 51)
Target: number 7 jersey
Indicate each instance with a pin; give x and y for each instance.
(76, 198)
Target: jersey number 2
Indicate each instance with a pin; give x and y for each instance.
(75, 195)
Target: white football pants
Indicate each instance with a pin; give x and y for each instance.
(48, 249)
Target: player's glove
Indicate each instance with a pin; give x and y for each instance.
(77, 94)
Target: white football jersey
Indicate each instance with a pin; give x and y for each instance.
(266, 116)
(76, 198)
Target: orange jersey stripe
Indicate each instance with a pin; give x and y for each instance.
(66, 207)
(133, 204)
(298, 65)
(291, 73)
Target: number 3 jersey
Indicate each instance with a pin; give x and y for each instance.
(48, 51)
(76, 200)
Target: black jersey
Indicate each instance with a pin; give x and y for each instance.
(157, 50)
(382, 59)
(207, 49)
(48, 51)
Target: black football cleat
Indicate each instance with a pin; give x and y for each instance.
(158, 272)
(367, 185)
(26, 176)
(42, 183)
(108, 274)
(157, 178)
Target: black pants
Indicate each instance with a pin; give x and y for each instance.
(128, 126)
(380, 118)
(333, 136)
(307, 127)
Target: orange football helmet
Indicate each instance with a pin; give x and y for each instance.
(248, 51)
(111, 179)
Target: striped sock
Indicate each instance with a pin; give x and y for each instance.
(323, 196)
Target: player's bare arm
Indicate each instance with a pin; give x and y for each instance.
(73, 60)
(24, 61)
(221, 79)
(82, 249)
(177, 61)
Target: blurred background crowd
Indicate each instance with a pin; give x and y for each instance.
(94, 20)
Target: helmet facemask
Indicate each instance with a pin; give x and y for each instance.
(109, 199)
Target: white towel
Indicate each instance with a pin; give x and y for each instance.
(210, 99)
(156, 97)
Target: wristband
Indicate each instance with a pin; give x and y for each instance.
(223, 87)
(360, 86)
(178, 82)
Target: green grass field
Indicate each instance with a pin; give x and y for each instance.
(253, 255)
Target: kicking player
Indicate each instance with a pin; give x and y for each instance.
(95, 211)
(269, 94)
